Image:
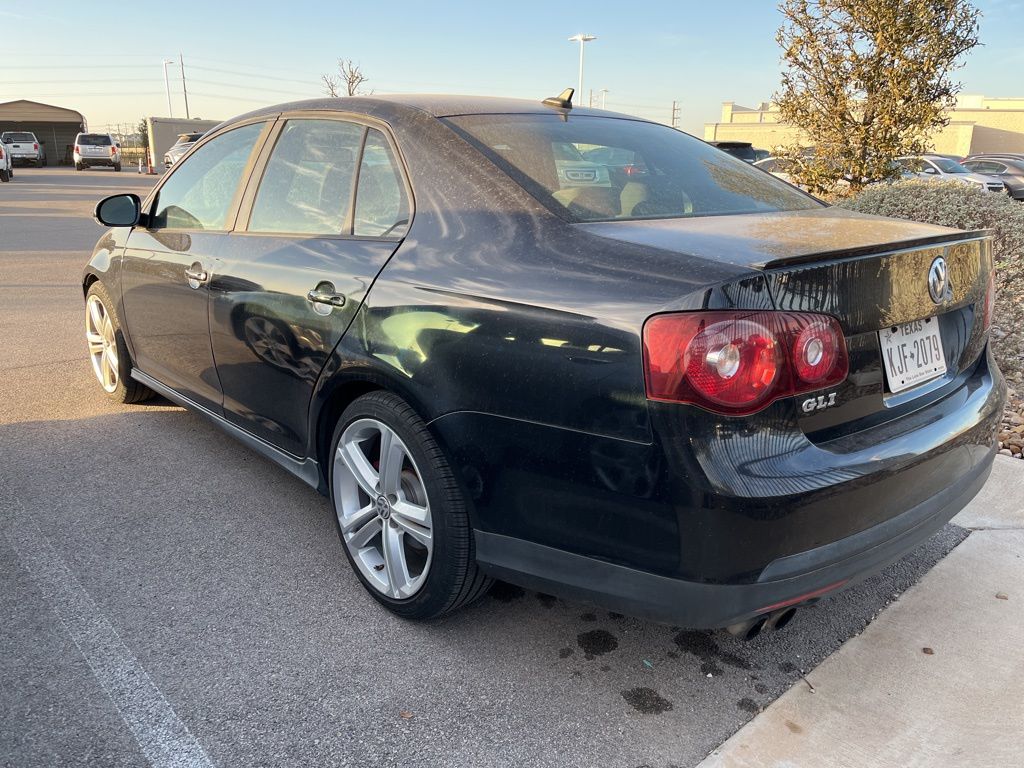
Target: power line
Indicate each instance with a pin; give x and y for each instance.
(259, 89)
(250, 74)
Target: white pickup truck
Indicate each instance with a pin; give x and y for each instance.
(24, 147)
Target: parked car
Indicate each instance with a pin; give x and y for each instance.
(93, 149)
(1007, 169)
(24, 148)
(780, 167)
(744, 150)
(697, 395)
(1009, 155)
(943, 169)
(6, 168)
(181, 146)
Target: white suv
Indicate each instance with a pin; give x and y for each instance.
(96, 149)
(23, 147)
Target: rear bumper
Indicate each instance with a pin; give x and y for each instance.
(714, 523)
(794, 579)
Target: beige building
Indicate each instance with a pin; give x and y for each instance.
(976, 124)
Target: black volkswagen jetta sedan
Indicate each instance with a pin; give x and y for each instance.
(672, 385)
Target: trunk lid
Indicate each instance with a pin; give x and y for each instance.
(869, 272)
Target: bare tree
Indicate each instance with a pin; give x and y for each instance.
(347, 82)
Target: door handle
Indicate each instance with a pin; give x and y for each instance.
(325, 294)
(196, 275)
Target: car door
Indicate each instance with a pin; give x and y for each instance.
(167, 264)
(327, 206)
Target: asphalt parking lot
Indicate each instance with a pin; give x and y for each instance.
(167, 597)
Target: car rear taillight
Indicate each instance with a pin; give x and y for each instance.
(78, 149)
(739, 362)
(113, 151)
(35, 147)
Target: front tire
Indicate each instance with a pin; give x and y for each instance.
(402, 518)
(108, 352)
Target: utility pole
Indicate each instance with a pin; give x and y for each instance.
(675, 115)
(604, 97)
(590, 103)
(184, 90)
(167, 87)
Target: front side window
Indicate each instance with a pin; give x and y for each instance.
(307, 185)
(589, 168)
(382, 208)
(199, 192)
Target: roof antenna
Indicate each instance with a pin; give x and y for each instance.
(562, 100)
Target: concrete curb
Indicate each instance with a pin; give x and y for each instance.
(935, 681)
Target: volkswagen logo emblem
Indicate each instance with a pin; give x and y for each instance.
(938, 280)
(383, 507)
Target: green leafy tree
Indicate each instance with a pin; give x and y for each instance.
(867, 81)
(143, 131)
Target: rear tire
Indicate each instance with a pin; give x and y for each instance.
(39, 163)
(414, 509)
(108, 352)
(117, 167)
(5, 175)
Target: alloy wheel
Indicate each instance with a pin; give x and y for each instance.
(99, 333)
(383, 509)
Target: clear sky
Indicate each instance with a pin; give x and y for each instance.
(238, 56)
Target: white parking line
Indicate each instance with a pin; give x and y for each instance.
(164, 739)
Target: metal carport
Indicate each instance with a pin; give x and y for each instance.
(55, 127)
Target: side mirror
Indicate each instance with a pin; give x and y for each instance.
(119, 211)
(930, 170)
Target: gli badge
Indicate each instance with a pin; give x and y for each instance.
(819, 403)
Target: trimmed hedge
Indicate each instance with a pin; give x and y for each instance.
(954, 204)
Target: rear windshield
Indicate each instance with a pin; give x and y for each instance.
(590, 168)
(94, 140)
(948, 166)
(16, 136)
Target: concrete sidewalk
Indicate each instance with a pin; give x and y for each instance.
(937, 680)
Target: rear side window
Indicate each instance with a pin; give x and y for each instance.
(94, 140)
(307, 185)
(382, 208)
(199, 192)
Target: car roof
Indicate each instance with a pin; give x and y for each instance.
(438, 105)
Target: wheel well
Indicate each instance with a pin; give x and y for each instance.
(87, 283)
(331, 412)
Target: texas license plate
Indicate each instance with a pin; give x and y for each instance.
(912, 353)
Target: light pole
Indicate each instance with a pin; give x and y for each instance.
(582, 39)
(167, 87)
(604, 95)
